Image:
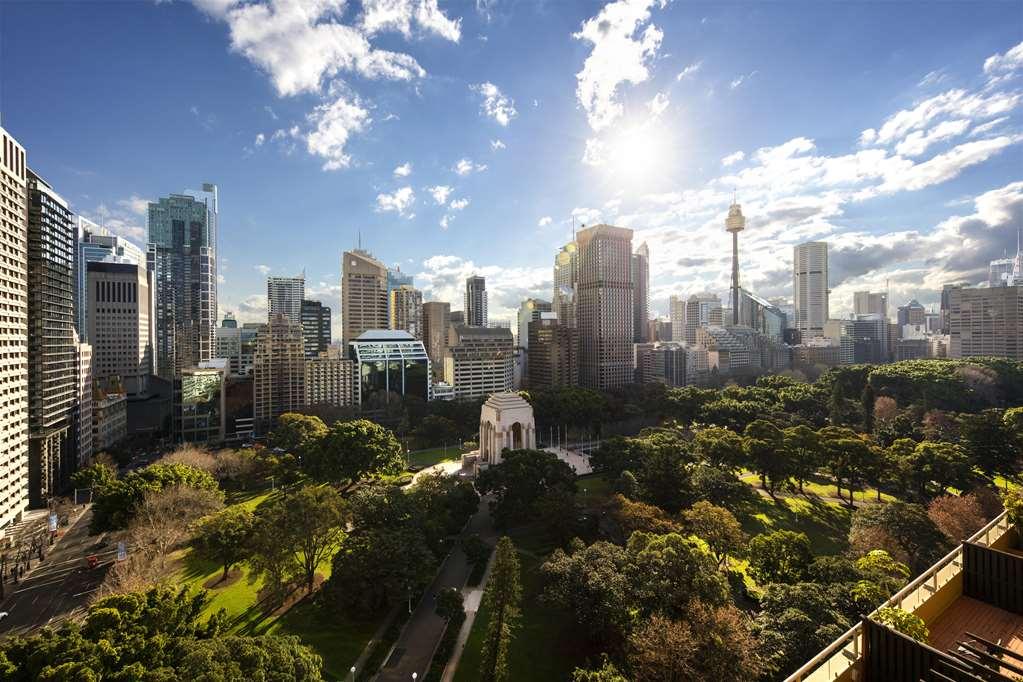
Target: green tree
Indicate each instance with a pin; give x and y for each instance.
(907, 623)
(377, 568)
(716, 526)
(521, 479)
(115, 502)
(282, 658)
(989, 443)
(665, 476)
(720, 447)
(867, 399)
(351, 450)
(618, 454)
(298, 434)
(766, 454)
(436, 430)
(607, 672)
(802, 448)
(591, 583)
(450, 603)
(501, 597)
(913, 536)
(783, 556)
(797, 621)
(225, 536)
(668, 571)
(848, 457)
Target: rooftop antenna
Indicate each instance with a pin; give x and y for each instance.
(359, 233)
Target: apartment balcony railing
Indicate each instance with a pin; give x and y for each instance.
(842, 658)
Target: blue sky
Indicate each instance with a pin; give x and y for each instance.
(464, 137)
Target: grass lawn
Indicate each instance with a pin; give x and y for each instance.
(427, 458)
(825, 523)
(545, 646)
(593, 490)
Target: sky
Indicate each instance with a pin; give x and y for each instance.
(455, 138)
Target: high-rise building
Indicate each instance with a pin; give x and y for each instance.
(870, 303)
(52, 361)
(870, 336)
(83, 408)
(641, 293)
(529, 310)
(109, 419)
(389, 362)
(604, 306)
(669, 364)
(457, 317)
(911, 313)
(395, 279)
(406, 305)
(566, 277)
(810, 287)
(702, 310)
(986, 322)
(120, 323)
(479, 360)
(363, 294)
(677, 317)
(436, 323)
(315, 327)
(999, 271)
(476, 301)
(96, 243)
(278, 372)
(14, 340)
(182, 257)
(237, 345)
(946, 305)
(284, 296)
(735, 223)
(200, 414)
(553, 354)
(761, 315)
(328, 379)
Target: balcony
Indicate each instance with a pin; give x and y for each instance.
(972, 603)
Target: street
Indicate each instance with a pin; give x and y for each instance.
(58, 587)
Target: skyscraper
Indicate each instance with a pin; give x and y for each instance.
(406, 306)
(677, 317)
(96, 243)
(476, 301)
(278, 372)
(436, 323)
(702, 310)
(395, 279)
(52, 350)
(315, 327)
(986, 322)
(911, 313)
(14, 340)
(182, 257)
(363, 294)
(604, 306)
(810, 287)
(999, 271)
(284, 295)
(735, 223)
(83, 409)
(529, 310)
(120, 323)
(870, 303)
(479, 360)
(641, 293)
(553, 354)
(566, 275)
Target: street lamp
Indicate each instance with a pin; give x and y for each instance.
(352, 671)
(414, 676)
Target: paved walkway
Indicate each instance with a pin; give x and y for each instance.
(415, 646)
(473, 596)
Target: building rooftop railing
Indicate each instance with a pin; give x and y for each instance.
(844, 653)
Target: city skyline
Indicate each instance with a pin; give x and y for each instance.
(922, 160)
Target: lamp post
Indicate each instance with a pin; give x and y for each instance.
(352, 671)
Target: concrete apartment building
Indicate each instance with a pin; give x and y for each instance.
(278, 372)
(329, 379)
(476, 301)
(986, 322)
(406, 310)
(810, 288)
(284, 296)
(479, 360)
(604, 307)
(363, 294)
(701, 310)
(436, 323)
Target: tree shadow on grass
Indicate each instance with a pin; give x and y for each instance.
(825, 523)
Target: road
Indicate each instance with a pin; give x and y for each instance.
(58, 587)
(414, 649)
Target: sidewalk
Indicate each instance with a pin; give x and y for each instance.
(473, 596)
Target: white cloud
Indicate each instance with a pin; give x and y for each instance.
(269, 110)
(917, 142)
(545, 221)
(333, 124)
(595, 153)
(445, 221)
(586, 216)
(624, 43)
(496, 145)
(956, 103)
(988, 127)
(740, 79)
(402, 15)
(495, 104)
(658, 104)
(947, 165)
(1012, 60)
(443, 279)
(459, 204)
(136, 204)
(440, 193)
(123, 221)
(404, 170)
(400, 201)
(467, 166)
(689, 71)
(260, 139)
(302, 43)
(933, 78)
(263, 269)
(733, 158)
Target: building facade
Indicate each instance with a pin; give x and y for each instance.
(278, 372)
(238, 345)
(200, 404)
(389, 364)
(329, 379)
(52, 350)
(810, 288)
(479, 360)
(476, 301)
(668, 364)
(315, 328)
(109, 420)
(761, 315)
(529, 310)
(553, 354)
(641, 293)
(566, 277)
(870, 303)
(120, 323)
(284, 296)
(604, 306)
(406, 305)
(363, 294)
(702, 310)
(986, 322)
(182, 257)
(96, 243)
(436, 323)
(83, 409)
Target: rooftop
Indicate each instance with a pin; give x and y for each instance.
(385, 335)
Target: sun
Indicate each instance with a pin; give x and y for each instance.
(638, 154)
